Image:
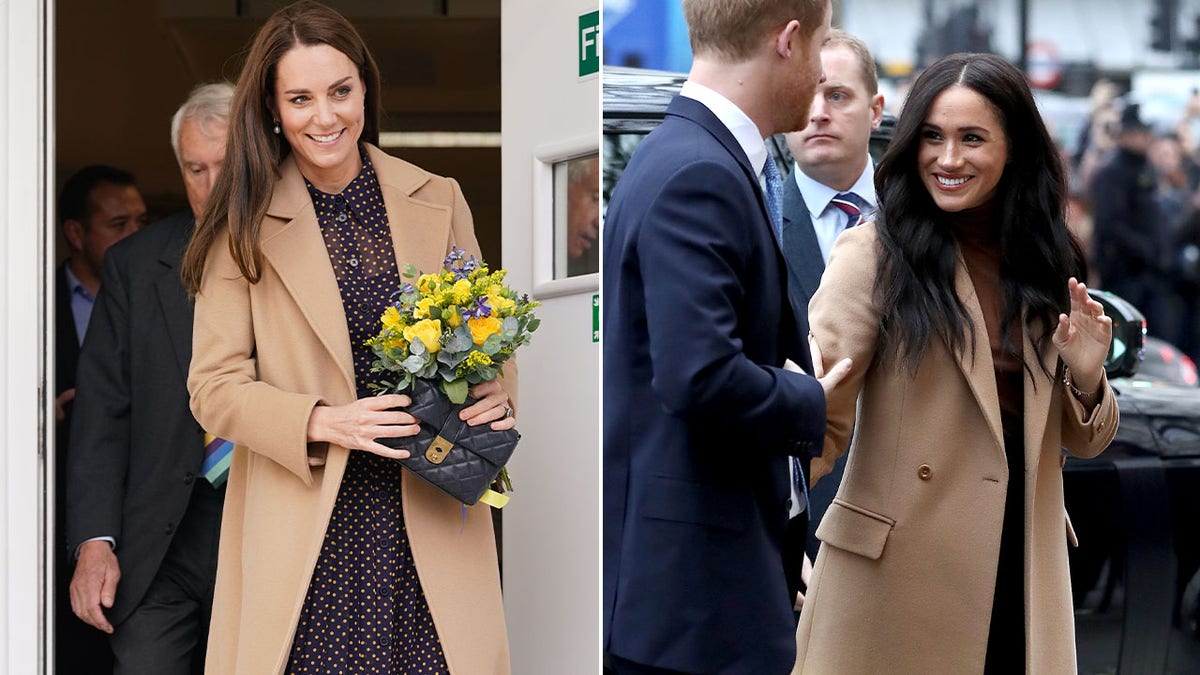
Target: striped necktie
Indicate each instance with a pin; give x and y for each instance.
(218, 453)
(774, 196)
(852, 205)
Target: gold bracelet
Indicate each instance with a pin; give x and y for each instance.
(1079, 395)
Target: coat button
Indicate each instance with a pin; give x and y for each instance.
(188, 478)
(170, 528)
(385, 640)
(925, 472)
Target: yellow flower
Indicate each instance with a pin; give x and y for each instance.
(422, 309)
(428, 331)
(499, 303)
(452, 317)
(482, 327)
(462, 291)
(390, 318)
(427, 283)
(393, 341)
(476, 358)
(448, 277)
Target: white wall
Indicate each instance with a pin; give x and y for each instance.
(23, 279)
(551, 527)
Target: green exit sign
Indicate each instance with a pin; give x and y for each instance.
(589, 43)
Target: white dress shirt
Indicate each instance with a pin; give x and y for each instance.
(744, 130)
(828, 220)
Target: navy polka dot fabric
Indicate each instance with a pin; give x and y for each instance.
(364, 611)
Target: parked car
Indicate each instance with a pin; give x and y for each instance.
(1135, 510)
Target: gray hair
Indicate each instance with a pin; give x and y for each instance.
(206, 104)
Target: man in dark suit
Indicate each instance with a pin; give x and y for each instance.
(98, 206)
(142, 517)
(832, 187)
(700, 417)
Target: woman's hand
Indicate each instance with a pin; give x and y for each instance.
(358, 424)
(1083, 338)
(491, 405)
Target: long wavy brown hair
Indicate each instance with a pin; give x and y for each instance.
(244, 186)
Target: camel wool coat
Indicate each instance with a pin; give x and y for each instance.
(264, 355)
(906, 572)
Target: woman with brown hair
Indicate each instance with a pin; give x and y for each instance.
(331, 559)
(978, 359)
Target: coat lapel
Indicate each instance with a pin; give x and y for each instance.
(800, 246)
(977, 365)
(172, 298)
(1039, 390)
(293, 245)
(420, 230)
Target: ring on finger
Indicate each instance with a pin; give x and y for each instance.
(508, 412)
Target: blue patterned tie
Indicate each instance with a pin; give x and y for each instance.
(774, 196)
(800, 483)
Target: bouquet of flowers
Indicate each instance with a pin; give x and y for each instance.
(447, 331)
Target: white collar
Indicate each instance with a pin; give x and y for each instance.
(818, 195)
(744, 130)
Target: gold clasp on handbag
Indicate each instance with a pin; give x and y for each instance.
(438, 450)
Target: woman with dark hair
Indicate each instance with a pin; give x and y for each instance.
(291, 267)
(979, 358)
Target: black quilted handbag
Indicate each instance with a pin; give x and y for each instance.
(454, 457)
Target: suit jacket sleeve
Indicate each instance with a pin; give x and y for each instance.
(844, 320)
(98, 455)
(693, 251)
(227, 398)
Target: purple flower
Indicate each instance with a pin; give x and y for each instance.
(479, 311)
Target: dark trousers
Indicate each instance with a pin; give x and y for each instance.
(168, 632)
(1006, 634)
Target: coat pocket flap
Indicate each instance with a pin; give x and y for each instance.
(686, 501)
(855, 529)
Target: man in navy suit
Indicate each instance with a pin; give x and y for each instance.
(700, 416)
(832, 187)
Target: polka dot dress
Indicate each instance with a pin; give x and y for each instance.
(364, 611)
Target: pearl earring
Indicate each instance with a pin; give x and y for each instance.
(276, 129)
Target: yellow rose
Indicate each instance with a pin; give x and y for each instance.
(482, 327)
(462, 291)
(498, 302)
(428, 331)
(422, 309)
(390, 318)
(452, 317)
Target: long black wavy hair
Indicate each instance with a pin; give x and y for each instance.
(915, 284)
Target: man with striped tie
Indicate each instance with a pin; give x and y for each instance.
(145, 487)
(831, 188)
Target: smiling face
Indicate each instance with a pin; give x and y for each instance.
(319, 101)
(832, 149)
(962, 151)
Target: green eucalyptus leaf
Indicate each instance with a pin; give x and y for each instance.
(456, 390)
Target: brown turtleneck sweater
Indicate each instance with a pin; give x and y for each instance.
(979, 242)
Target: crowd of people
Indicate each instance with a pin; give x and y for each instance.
(1137, 203)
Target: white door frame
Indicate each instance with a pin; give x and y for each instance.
(25, 230)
